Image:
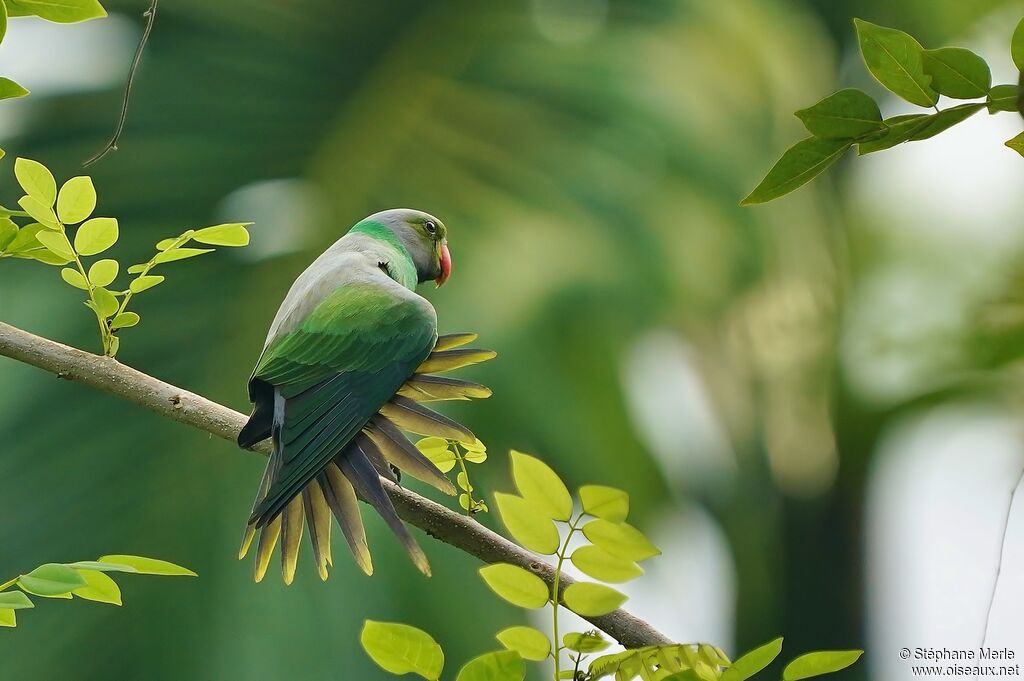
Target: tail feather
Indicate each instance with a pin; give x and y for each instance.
(354, 464)
(359, 465)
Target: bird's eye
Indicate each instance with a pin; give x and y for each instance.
(430, 226)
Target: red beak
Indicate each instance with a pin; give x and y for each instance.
(446, 265)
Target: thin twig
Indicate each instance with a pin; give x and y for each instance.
(150, 15)
(1002, 551)
(462, 532)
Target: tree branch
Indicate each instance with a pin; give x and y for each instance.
(462, 532)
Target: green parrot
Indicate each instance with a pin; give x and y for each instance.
(348, 359)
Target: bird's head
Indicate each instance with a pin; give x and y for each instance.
(426, 239)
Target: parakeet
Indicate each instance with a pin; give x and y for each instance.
(347, 361)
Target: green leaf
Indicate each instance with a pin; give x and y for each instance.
(751, 663)
(15, 600)
(99, 588)
(27, 238)
(599, 564)
(8, 231)
(103, 272)
(436, 449)
(148, 566)
(57, 11)
(798, 165)
(822, 662)
(39, 211)
(476, 452)
(516, 585)
(506, 665)
(592, 600)
(846, 114)
(462, 480)
(587, 642)
(1003, 98)
(605, 502)
(401, 649)
(124, 320)
(620, 539)
(899, 129)
(7, 618)
(945, 119)
(232, 234)
(136, 269)
(541, 486)
(527, 641)
(52, 580)
(44, 256)
(3, 20)
(896, 61)
(1017, 46)
(533, 530)
(957, 72)
(76, 200)
(101, 567)
(106, 303)
(56, 243)
(10, 90)
(36, 180)
(1017, 144)
(75, 278)
(145, 283)
(179, 254)
(96, 236)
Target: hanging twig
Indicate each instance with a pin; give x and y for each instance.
(1002, 551)
(150, 15)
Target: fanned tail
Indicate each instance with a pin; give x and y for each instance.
(379, 448)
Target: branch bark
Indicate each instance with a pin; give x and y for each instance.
(110, 376)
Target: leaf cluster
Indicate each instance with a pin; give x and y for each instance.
(43, 235)
(63, 12)
(898, 62)
(87, 579)
(446, 455)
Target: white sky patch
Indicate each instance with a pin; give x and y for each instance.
(937, 500)
(672, 411)
(52, 59)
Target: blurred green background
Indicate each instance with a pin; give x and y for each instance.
(739, 371)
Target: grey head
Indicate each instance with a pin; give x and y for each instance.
(420, 234)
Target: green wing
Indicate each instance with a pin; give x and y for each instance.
(331, 375)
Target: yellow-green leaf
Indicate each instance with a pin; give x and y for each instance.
(605, 502)
(587, 642)
(620, 539)
(10, 90)
(39, 211)
(148, 566)
(15, 600)
(57, 11)
(76, 200)
(753, 662)
(401, 649)
(436, 449)
(233, 234)
(1017, 143)
(516, 585)
(36, 180)
(541, 486)
(179, 254)
(8, 231)
(51, 580)
(958, 72)
(7, 618)
(798, 165)
(896, 60)
(96, 236)
(1003, 98)
(527, 641)
(1017, 46)
(143, 283)
(103, 272)
(821, 662)
(506, 665)
(592, 600)
(75, 278)
(106, 303)
(476, 452)
(124, 320)
(599, 564)
(100, 566)
(99, 588)
(533, 530)
(56, 243)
